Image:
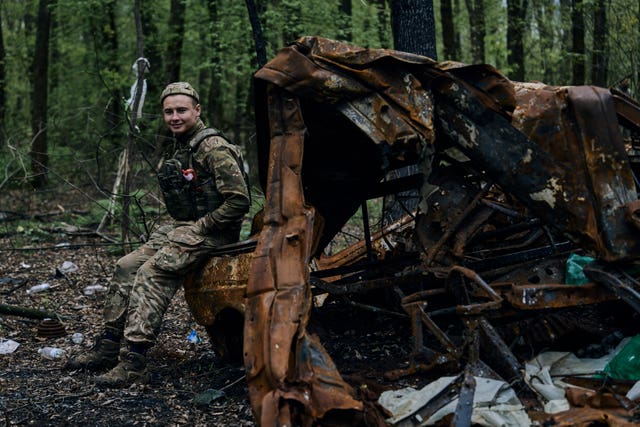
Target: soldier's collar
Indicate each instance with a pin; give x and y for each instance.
(187, 136)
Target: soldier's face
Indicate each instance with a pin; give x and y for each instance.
(180, 113)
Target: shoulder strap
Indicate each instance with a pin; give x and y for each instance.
(201, 136)
(206, 133)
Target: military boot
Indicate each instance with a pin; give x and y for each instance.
(131, 369)
(102, 356)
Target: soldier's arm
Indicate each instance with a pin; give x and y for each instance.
(220, 160)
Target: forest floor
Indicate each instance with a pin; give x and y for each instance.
(189, 386)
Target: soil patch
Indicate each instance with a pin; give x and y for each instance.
(189, 385)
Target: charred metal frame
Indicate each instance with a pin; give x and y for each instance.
(332, 121)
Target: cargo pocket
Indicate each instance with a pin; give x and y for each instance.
(181, 252)
(185, 235)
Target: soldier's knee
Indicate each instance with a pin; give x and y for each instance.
(131, 262)
(126, 264)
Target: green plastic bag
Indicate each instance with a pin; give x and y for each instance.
(574, 274)
(626, 364)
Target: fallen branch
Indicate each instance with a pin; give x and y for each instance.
(20, 284)
(114, 194)
(31, 313)
(8, 175)
(10, 215)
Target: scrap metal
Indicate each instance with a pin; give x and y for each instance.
(512, 176)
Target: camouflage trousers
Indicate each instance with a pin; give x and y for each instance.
(145, 280)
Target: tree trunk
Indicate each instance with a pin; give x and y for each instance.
(345, 9)
(636, 69)
(383, 23)
(110, 36)
(413, 27)
(3, 86)
(256, 17)
(546, 12)
(599, 60)
(174, 43)
(214, 108)
(256, 26)
(449, 33)
(516, 10)
(414, 31)
(565, 66)
(141, 68)
(475, 8)
(104, 32)
(577, 35)
(39, 95)
(155, 80)
(293, 14)
(540, 9)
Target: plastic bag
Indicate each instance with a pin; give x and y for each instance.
(574, 274)
(626, 364)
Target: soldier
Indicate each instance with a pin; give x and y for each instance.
(206, 193)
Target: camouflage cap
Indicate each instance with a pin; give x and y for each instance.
(179, 88)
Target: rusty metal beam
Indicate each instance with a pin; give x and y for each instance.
(628, 109)
(554, 149)
(550, 296)
(621, 286)
(290, 376)
(546, 185)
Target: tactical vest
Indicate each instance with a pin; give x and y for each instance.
(189, 190)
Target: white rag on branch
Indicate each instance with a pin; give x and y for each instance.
(139, 72)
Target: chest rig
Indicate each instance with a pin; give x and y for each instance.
(188, 189)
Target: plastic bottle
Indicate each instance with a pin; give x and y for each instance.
(51, 352)
(77, 338)
(193, 337)
(68, 267)
(38, 288)
(93, 289)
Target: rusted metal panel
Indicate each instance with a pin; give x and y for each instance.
(219, 285)
(578, 125)
(587, 417)
(335, 119)
(391, 105)
(286, 368)
(608, 171)
(619, 283)
(380, 242)
(388, 103)
(628, 109)
(575, 203)
(547, 296)
(633, 214)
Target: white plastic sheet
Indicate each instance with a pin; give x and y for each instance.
(544, 374)
(8, 346)
(494, 403)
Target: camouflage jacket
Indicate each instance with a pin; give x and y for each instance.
(204, 181)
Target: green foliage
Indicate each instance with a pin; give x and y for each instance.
(496, 39)
(353, 230)
(94, 44)
(366, 31)
(28, 233)
(98, 209)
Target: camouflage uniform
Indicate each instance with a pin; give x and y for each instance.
(145, 280)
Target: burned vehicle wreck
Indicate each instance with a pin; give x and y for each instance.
(513, 179)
